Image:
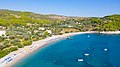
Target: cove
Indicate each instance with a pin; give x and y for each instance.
(96, 50)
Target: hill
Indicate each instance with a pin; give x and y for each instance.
(22, 28)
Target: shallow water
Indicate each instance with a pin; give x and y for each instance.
(66, 52)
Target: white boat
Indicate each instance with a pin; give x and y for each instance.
(80, 60)
(86, 54)
(105, 49)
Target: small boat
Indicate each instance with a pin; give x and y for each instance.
(80, 60)
(105, 49)
(69, 38)
(86, 54)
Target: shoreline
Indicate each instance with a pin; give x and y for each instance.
(15, 56)
(110, 32)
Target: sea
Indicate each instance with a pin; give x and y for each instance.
(83, 50)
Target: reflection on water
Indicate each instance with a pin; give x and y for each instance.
(96, 50)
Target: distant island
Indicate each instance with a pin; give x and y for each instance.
(20, 29)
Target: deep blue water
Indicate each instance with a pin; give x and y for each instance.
(66, 52)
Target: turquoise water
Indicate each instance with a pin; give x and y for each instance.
(66, 52)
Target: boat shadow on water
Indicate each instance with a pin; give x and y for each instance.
(69, 38)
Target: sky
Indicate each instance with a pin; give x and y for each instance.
(82, 8)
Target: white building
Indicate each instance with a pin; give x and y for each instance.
(2, 33)
(35, 31)
(41, 28)
(70, 26)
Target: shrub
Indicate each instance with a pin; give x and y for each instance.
(2, 38)
(4, 53)
(6, 42)
(2, 47)
(19, 45)
(27, 38)
(46, 34)
(14, 41)
(11, 37)
(12, 49)
(7, 45)
(60, 33)
(26, 43)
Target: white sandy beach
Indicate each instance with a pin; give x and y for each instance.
(15, 56)
(110, 32)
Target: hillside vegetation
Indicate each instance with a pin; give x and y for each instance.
(22, 28)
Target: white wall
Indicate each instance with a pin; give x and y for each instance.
(2, 32)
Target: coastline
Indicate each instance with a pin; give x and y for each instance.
(23, 52)
(110, 32)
